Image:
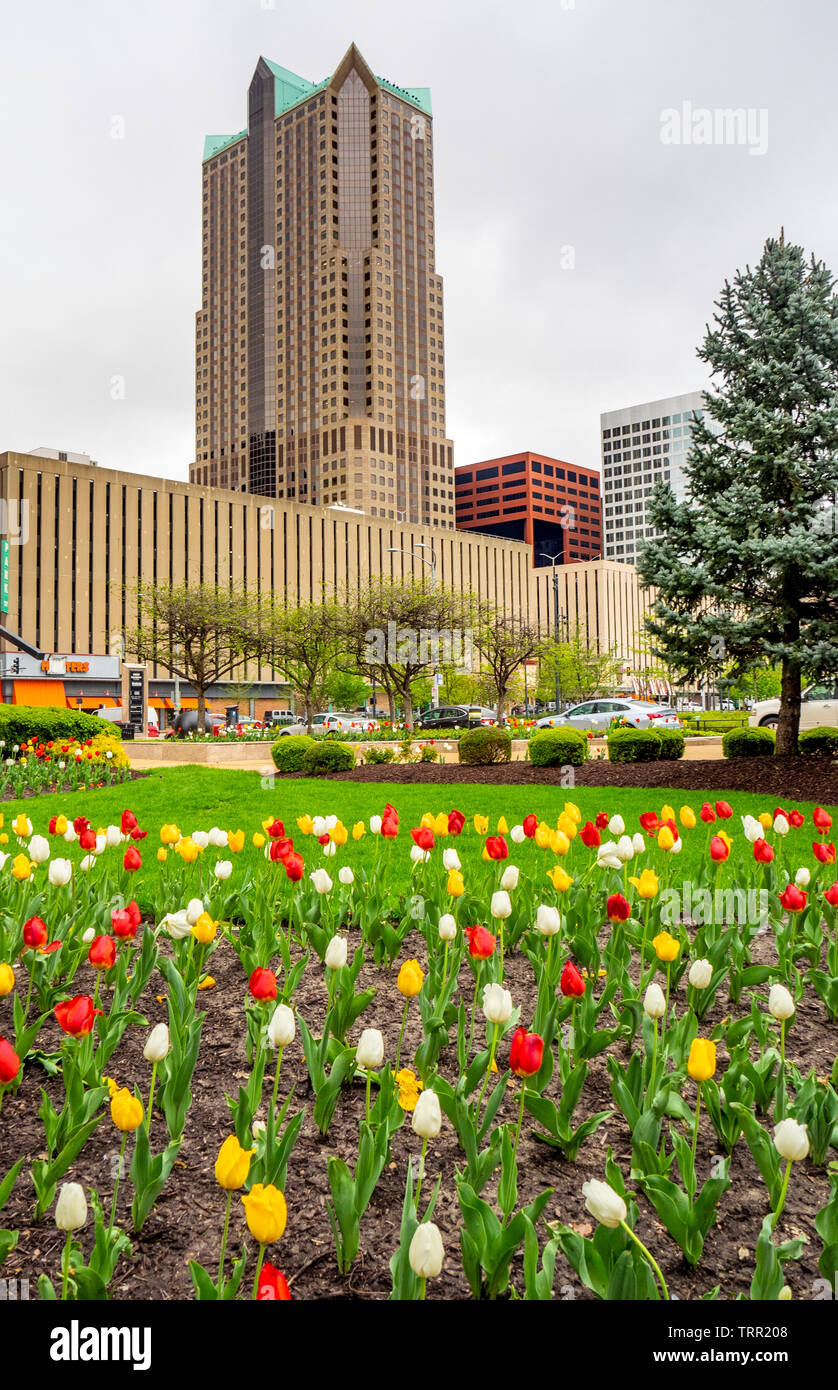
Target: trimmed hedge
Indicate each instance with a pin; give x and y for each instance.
(749, 743)
(819, 743)
(327, 757)
(558, 747)
(672, 745)
(635, 746)
(288, 753)
(479, 747)
(19, 723)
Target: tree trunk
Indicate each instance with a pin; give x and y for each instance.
(408, 707)
(788, 724)
(309, 712)
(500, 705)
(202, 712)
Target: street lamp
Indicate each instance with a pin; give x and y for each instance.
(559, 617)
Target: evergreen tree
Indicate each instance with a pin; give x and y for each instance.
(746, 569)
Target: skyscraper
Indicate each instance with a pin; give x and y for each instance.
(320, 344)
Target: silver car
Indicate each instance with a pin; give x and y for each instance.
(600, 714)
(334, 723)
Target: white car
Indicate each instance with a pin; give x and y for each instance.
(335, 723)
(113, 714)
(818, 706)
(599, 714)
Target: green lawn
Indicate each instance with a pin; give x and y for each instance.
(197, 798)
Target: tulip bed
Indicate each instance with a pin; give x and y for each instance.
(307, 1043)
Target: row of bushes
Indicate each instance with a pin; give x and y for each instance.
(759, 743)
(20, 723)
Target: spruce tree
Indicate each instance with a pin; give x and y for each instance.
(746, 568)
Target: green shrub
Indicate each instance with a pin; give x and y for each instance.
(821, 742)
(634, 746)
(19, 723)
(479, 747)
(288, 753)
(328, 757)
(428, 755)
(748, 743)
(558, 748)
(379, 755)
(672, 744)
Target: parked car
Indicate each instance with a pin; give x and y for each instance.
(599, 714)
(280, 716)
(444, 717)
(818, 705)
(334, 723)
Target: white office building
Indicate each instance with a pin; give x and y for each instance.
(641, 446)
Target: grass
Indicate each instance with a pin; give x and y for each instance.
(197, 798)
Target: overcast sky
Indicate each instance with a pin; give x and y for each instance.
(581, 254)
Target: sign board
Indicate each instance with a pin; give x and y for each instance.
(4, 576)
(134, 696)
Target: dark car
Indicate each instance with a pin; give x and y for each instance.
(187, 723)
(446, 717)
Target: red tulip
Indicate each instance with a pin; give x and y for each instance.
(389, 828)
(263, 984)
(481, 942)
(602, 820)
(272, 1285)
(792, 899)
(137, 833)
(122, 925)
(763, 853)
(76, 1015)
(9, 1062)
(590, 836)
(719, 850)
(822, 819)
(824, 853)
(35, 933)
(133, 860)
(87, 838)
(276, 828)
(127, 821)
(708, 815)
(423, 837)
(280, 849)
(831, 895)
(530, 826)
(294, 866)
(648, 821)
(571, 984)
(617, 908)
(796, 819)
(134, 913)
(102, 953)
(526, 1052)
(723, 810)
(778, 811)
(456, 821)
(496, 847)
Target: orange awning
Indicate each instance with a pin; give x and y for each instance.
(92, 702)
(39, 693)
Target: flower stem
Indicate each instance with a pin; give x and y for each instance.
(651, 1090)
(695, 1127)
(116, 1180)
(258, 1272)
(369, 1084)
(495, 1029)
(649, 1257)
(276, 1079)
(421, 1173)
(151, 1099)
(65, 1265)
(401, 1032)
(224, 1240)
(782, 1202)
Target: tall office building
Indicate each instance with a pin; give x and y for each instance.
(642, 446)
(552, 505)
(319, 344)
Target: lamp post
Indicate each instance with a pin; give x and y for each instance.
(559, 617)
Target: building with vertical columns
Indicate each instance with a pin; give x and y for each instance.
(319, 345)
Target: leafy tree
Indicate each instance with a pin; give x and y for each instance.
(199, 633)
(347, 690)
(308, 644)
(584, 670)
(744, 570)
(504, 643)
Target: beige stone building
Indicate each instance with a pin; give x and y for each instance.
(320, 342)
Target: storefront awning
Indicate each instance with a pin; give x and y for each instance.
(39, 693)
(92, 702)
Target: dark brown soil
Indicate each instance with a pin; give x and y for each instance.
(187, 1222)
(786, 779)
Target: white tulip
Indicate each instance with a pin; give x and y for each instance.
(375, 825)
(616, 825)
(331, 822)
(60, 872)
(39, 849)
(781, 825)
(321, 881)
(547, 920)
(802, 878)
(319, 826)
(282, 1028)
(501, 906)
(218, 838)
(70, 834)
(258, 1128)
(346, 875)
(194, 908)
(330, 849)
(71, 1207)
(639, 842)
(791, 1140)
(427, 1117)
(625, 849)
(419, 856)
(101, 844)
(780, 1002)
(157, 1043)
(517, 835)
(177, 925)
(509, 878)
(497, 1004)
(607, 856)
(450, 859)
(200, 838)
(87, 863)
(447, 927)
(701, 973)
(223, 868)
(369, 1053)
(605, 1205)
(88, 936)
(654, 1003)
(752, 828)
(677, 847)
(336, 953)
(426, 1251)
(113, 835)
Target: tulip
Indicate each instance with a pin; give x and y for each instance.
(590, 836)
(126, 1110)
(607, 857)
(616, 825)
(723, 810)
(687, 818)
(792, 899)
(496, 847)
(530, 826)
(547, 920)
(617, 908)
(272, 1285)
(263, 984)
(501, 906)
(781, 825)
(822, 820)
(223, 869)
(831, 895)
(666, 839)
(455, 887)
(780, 1003)
(427, 1116)
(410, 979)
(295, 866)
(763, 853)
(481, 943)
(193, 910)
(177, 925)
(419, 856)
(76, 1016)
(571, 984)
(638, 842)
(157, 1043)
(517, 835)
(666, 947)
(71, 1207)
(132, 860)
(7, 979)
(88, 936)
(608, 1208)
(654, 1003)
(447, 927)
(701, 973)
(702, 1059)
(796, 819)
(336, 953)
(102, 953)
(426, 1252)
(752, 828)
(791, 1141)
(646, 885)
(497, 1004)
(232, 1164)
(9, 1062)
(825, 854)
(708, 815)
(282, 1028)
(60, 872)
(346, 876)
(35, 933)
(265, 1212)
(509, 878)
(559, 878)
(369, 1053)
(719, 850)
(526, 1053)
(375, 825)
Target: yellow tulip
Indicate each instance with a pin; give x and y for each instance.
(567, 826)
(339, 834)
(359, 830)
(4, 839)
(207, 983)
(559, 842)
(543, 835)
(409, 1087)
(126, 1110)
(440, 825)
(427, 821)
(188, 850)
(258, 840)
(21, 826)
(204, 929)
(21, 867)
(169, 834)
(666, 947)
(646, 884)
(503, 828)
(560, 880)
(572, 810)
(766, 820)
(702, 1062)
(7, 979)
(235, 839)
(687, 817)
(455, 886)
(667, 812)
(60, 825)
(233, 1164)
(266, 1212)
(666, 839)
(162, 855)
(410, 979)
(481, 824)
(305, 825)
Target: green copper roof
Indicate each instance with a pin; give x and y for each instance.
(290, 89)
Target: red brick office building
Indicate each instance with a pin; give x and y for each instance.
(553, 506)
